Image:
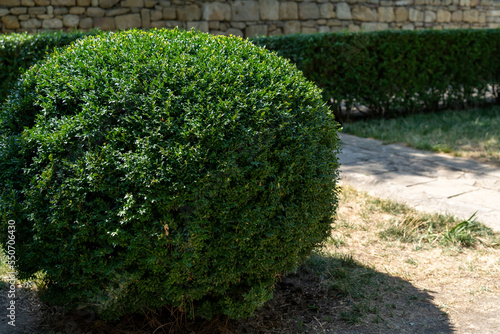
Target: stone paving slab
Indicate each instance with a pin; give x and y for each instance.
(424, 180)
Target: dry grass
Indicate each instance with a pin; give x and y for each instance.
(455, 265)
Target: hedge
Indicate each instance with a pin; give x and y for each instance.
(395, 72)
(387, 72)
(19, 51)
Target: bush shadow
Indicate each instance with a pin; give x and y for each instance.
(328, 293)
(336, 294)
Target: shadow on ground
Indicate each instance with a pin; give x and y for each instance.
(327, 294)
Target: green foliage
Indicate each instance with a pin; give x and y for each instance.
(394, 72)
(19, 51)
(158, 168)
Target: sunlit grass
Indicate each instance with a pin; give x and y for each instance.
(470, 133)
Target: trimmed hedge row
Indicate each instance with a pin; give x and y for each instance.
(394, 72)
(19, 51)
(387, 72)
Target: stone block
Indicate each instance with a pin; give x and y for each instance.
(27, 3)
(218, 32)
(343, 11)
(189, 13)
(156, 15)
(353, 28)
(37, 10)
(401, 14)
(214, 25)
(42, 3)
(223, 26)
(105, 23)
(117, 11)
(289, 11)
(31, 24)
(4, 11)
(276, 32)
(11, 22)
(150, 3)
(309, 23)
(430, 16)
(443, 16)
(52, 24)
(323, 29)
(308, 11)
(145, 18)
(457, 16)
(269, 10)
(471, 16)
(60, 11)
(245, 11)
(238, 25)
(86, 23)
(174, 24)
(327, 11)
(77, 10)
(128, 21)
(71, 21)
(482, 18)
(10, 3)
(18, 10)
(108, 3)
(199, 25)
(374, 26)
(45, 17)
(95, 12)
(50, 10)
(334, 23)
(256, 30)
(415, 15)
(291, 27)
(158, 24)
(63, 3)
(82, 3)
(386, 14)
(216, 11)
(309, 30)
(408, 26)
(132, 3)
(169, 14)
(363, 13)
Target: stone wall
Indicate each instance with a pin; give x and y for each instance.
(248, 18)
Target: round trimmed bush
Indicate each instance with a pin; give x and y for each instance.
(158, 168)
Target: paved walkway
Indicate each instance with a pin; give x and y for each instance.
(424, 180)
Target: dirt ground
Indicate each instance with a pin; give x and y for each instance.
(358, 282)
(302, 304)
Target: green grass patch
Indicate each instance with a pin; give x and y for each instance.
(470, 133)
(411, 226)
